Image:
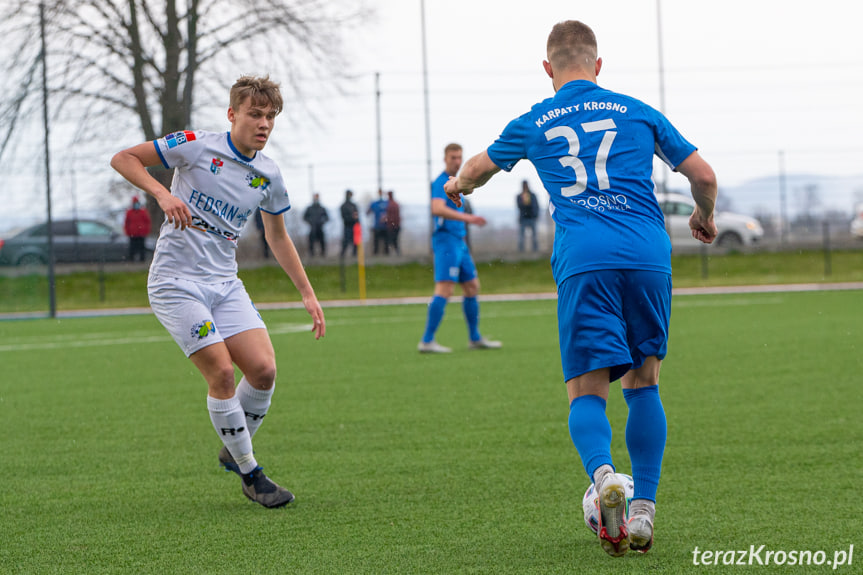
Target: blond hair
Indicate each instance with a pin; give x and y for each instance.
(260, 92)
(571, 44)
(452, 148)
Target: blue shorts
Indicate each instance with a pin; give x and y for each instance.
(614, 319)
(452, 260)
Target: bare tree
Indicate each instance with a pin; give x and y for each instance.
(154, 59)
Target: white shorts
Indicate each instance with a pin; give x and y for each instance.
(198, 315)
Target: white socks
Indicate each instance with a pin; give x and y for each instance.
(600, 474)
(255, 404)
(643, 507)
(230, 423)
(237, 419)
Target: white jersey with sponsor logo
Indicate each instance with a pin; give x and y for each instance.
(221, 188)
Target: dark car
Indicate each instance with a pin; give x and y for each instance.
(74, 241)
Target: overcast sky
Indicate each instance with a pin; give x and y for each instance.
(744, 80)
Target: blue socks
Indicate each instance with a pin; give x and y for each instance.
(470, 305)
(590, 432)
(436, 309)
(646, 432)
(437, 306)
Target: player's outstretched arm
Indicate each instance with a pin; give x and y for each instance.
(440, 209)
(132, 164)
(286, 254)
(702, 182)
(475, 173)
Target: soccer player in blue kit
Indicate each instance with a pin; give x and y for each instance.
(593, 150)
(452, 261)
(220, 179)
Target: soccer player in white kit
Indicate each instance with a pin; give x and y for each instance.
(219, 181)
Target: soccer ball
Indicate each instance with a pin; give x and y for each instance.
(590, 503)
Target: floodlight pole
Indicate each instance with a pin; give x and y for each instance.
(52, 286)
(378, 128)
(427, 119)
(783, 215)
(664, 172)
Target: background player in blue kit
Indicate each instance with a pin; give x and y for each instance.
(378, 211)
(452, 261)
(593, 150)
(220, 179)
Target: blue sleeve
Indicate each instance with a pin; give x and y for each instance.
(671, 147)
(437, 187)
(511, 145)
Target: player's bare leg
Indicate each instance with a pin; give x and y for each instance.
(254, 352)
(215, 364)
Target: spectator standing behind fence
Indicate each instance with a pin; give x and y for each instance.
(394, 222)
(350, 216)
(528, 212)
(259, 225)
(137, 227)
(378, 209)
(316, 216)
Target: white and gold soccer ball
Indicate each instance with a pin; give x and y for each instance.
(590, 502)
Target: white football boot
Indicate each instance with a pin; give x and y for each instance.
(432, 347)
(613, 535)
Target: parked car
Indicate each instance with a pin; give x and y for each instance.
(735, 230)
(74, 241)
(857, 222)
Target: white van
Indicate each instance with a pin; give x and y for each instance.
(857, 222)
(735, 230)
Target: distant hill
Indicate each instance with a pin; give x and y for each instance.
(803, 193)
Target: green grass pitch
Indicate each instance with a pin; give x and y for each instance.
(404, 463)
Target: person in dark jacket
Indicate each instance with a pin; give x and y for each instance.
(528, 212)
(350, 216)
(316, 216)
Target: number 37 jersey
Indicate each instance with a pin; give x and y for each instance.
(593, 150)
(222, 188)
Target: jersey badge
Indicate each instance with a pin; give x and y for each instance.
(216, 166)
(177, 138)
(203, 329)
(257, 181)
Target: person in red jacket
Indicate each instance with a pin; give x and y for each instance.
(137, 227)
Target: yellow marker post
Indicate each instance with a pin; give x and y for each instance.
(361, 260)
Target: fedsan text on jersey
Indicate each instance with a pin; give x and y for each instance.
(221, 208)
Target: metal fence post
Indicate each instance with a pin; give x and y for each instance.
(828, 268)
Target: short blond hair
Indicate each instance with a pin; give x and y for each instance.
(571, 44)
(451, 148)
(259, 91)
